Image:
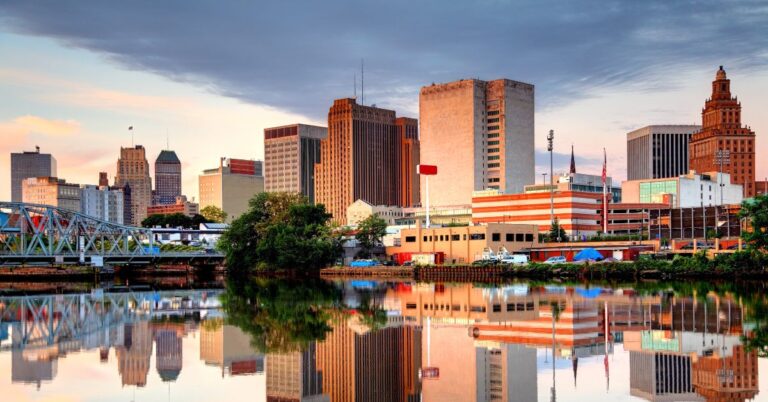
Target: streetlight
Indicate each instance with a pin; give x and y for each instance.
(550, 139)
(544, 178)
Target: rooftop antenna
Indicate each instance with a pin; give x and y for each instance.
(354, 84)
(362, 81)
(167, 140)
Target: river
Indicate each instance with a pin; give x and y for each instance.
(359, 340)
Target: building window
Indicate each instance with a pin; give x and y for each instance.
(510, 237)
(493, 165)
(477, 236)
(496, 237)
(465, 237)
(519, 237)
(425, 238)
(493, 135)
(497, 308)
(410, 239)
(477, 309)
(455, 237)
(528, 237)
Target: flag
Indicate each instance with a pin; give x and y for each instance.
(130, 127)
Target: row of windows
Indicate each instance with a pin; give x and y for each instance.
(510, 237)
(528, 306)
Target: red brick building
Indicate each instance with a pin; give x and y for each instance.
(722, 130)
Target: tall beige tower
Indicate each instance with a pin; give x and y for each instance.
(480, 134)
(133, 169)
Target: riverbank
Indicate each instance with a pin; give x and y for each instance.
(737, 265)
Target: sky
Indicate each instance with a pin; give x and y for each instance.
(205, 78)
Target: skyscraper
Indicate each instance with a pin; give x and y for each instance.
(167, 178)
(410, 151)
(656, 152)
(290, 155)
(361, 158)
(133, 169)
(29, 164)
(480, 134)
(722, 131)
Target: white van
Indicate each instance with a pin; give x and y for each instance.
(515, 259)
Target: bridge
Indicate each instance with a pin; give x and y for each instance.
(33, 234)
(32, 322)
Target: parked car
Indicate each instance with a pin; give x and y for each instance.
(407, 263)
(515, 259)
(558, 259)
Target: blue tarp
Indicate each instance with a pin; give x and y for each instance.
(588, 254)
(589, 293)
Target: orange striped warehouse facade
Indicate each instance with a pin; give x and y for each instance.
(578, 213)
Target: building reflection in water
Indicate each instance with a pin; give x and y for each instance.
(434, 342)
(229, 348)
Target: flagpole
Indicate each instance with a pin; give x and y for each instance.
(605, 193)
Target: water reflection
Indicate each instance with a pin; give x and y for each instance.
(312, 340)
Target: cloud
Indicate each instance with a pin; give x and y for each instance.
(14, 131)
(300, 56)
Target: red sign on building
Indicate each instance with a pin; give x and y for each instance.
(427, 169)
(242, 166)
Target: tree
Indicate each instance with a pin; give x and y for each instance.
(281, 231)
(556, 232)
(214, 214)
(755, 210)
(369, 233)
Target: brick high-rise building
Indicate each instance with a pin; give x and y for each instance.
(722, 130)
(290, 155)
(133, 169)
(29, 164)
(480, 134)
(167, 178)
(410, 149)
(361, 158)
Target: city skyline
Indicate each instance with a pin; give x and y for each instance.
(96, 90)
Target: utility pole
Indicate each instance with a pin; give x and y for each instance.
(550, 139)
(544, 178)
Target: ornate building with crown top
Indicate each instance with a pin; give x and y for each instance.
(722, 131)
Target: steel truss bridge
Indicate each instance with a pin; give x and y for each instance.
(83, 320)
(33, 234)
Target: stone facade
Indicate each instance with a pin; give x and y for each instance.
(480, 135)
(51, 191)
(133, 169)
(230, 186)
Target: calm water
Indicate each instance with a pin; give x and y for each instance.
(271, 340)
